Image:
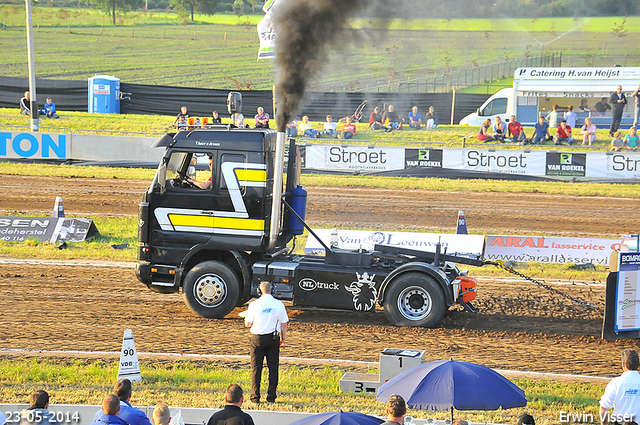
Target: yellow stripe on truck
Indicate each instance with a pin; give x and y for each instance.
(216, 222)
(251, 175)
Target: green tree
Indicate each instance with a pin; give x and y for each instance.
(110, 7)
(208, 7)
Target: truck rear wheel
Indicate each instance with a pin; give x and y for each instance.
(211, 289)
(414, 299)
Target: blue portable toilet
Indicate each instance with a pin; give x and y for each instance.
(104, 94)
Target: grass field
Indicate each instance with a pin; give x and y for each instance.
(220, 51)
(201, 384)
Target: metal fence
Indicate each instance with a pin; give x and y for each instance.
(467, 77)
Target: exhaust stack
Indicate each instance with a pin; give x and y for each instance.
(276, 197)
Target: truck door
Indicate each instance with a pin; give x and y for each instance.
(181, 207)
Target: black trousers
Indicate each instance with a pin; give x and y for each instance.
(616, 118)
(264, 346)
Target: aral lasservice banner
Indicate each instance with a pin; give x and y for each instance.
(542, 249)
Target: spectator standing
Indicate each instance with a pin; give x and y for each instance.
(215, 118)
(262, 118)
(621, 393)
(552, 117)
(516, 132)
(415, 118)
(636, 114)
(499, 129)
(375, 120)
(571, 117)
(183, 114)
(617, 144)
(161, 415)
(306, 129)
(563, 134)
(38, 413)
(588, 132)
(631, 139)
(541, 131)
(602, 107)
(108, 415)
(348, 129)
(431, 119)
(391, 118)
(267, 319)
(526, 419)
(49, 109)
(25, 104)
(396, 409)
(330, 127)
(483, 133)
(232, 413)
(617, 101)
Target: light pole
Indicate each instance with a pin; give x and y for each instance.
(32, 70)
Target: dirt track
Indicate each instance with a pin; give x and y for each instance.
(520, 327)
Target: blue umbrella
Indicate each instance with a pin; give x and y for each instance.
(446, 384)
(339, 418)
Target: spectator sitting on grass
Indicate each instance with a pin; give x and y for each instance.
(588, 132)
(563, 134)
(631, 139)
(49, 109)
(483, 133)
(391, 119)
(330, 127)
(541, 131)
(292, 128)
(375, 120)
(348, 129)
(499, 129)
(25, 104)
(262, 118)
(306, 129)
(617, 144)
(431, 119)
(516, 132)
(415, 118)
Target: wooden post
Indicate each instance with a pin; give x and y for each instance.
(225, 37)
(453, 104)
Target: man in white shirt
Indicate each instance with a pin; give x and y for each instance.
(267, 318)
(623, 393)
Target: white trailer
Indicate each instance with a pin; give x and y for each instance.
(536, 90)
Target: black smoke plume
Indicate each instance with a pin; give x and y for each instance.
(307, 30)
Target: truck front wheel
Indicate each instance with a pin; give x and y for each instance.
(414, 299)
(211, 289)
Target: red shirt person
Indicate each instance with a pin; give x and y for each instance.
(348, 130)
(563, 134)
(516, 132)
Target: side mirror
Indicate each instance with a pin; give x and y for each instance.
(478, 112)
(162, 175)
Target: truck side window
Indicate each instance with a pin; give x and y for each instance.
(229, 175)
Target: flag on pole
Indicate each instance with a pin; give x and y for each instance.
(267, 32)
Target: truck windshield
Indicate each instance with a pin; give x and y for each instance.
(175, 164)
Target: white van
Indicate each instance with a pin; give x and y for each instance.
(536, 90)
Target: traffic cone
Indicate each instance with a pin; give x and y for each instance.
(129, 365)
(462, 224)
(58, 208)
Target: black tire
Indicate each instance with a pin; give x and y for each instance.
(414, 299)
(211, 289)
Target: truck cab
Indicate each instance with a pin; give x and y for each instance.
(215, 222)
(500, 105)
